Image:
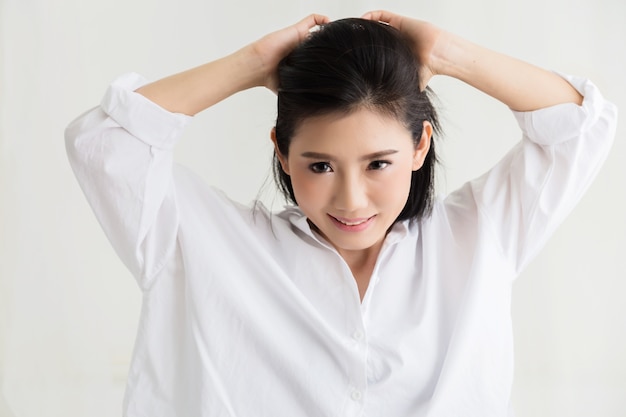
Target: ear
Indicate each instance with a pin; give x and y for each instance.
(422, 148)
(281, 158)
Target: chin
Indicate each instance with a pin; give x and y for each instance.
(355, 243)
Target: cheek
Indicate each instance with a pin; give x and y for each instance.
(308, 189)
(394, 189)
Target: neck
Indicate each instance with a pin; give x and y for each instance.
(361, 264)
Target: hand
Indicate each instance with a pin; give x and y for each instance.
(196, 89)
(269, 50)
(425, 39)
(519, 85)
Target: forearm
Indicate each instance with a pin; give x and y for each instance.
(519, 85)
(194, 90)
(254, 65)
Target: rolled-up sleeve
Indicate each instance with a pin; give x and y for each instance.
(121, 154)
(536, 185)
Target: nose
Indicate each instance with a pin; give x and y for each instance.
(350, 193)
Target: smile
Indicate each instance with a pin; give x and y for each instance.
(352, 225)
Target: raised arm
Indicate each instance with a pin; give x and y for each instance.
(121, 150)
(523, 198)
(255, 65)
(519, 85)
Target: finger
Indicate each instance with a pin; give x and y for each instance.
(304, 26)
(383, 16)
(378, 15)
(311, 21)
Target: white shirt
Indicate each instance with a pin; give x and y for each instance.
(252, 314)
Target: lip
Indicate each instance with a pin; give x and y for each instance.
(352, 225)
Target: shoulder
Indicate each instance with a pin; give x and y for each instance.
(204, 206)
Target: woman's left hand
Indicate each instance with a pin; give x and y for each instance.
(271, 48)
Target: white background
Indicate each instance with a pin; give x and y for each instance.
(68, 308)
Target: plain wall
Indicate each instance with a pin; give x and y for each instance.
(69, 309)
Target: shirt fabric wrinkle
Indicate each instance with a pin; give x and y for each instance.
(247, 312)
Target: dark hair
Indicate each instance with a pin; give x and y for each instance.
(347, 65)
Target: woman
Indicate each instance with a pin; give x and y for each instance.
(367, 297)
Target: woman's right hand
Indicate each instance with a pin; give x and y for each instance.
(254, 65)
(270, 49)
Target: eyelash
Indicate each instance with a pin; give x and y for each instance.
(324, 167)
(320, 167)
(384, 164)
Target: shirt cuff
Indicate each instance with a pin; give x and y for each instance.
(562, 122)
(143, 118)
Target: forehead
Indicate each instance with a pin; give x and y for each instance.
(360, 128)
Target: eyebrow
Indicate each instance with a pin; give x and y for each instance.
(368, 157)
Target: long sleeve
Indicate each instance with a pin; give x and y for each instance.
(121, 154)
(536, 185)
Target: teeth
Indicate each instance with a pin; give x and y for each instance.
(352, 223)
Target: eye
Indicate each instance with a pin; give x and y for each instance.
(320, 167)
(378, 165)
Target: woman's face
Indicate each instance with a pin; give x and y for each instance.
(351, 175)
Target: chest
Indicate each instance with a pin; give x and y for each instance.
(289, 312)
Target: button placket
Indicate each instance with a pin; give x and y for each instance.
(357, 387)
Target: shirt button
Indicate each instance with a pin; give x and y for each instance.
(358, 335)
(356, 395)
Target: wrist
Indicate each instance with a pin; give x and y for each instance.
(450, 56)
(247, 68)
